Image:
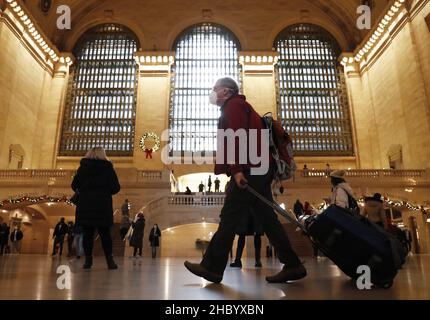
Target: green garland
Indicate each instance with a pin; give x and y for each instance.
(390, 202)
(35, 200)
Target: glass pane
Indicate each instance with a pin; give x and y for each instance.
(312, 100)
(204, 53)
(101, 98)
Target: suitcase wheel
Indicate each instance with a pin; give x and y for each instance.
(386, 285)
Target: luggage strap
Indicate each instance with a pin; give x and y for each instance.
(276, 207)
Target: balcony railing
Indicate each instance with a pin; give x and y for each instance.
(151, 175)
(36, 174)
(25, 175)
(158, 175)
(197, 200)
(13, 174)
(365, 173)
(160, 204)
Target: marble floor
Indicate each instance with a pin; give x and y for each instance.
(35, 277)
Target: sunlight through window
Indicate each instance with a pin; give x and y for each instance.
(204, 53)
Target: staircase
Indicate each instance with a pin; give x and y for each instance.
(180, 209)
(177, 210)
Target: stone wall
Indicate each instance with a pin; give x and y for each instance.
(390, 95)
(389, 99)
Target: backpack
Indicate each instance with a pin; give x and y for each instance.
(281, 147)
(352, 204)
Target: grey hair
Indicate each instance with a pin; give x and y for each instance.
(230, 84)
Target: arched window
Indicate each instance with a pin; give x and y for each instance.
(312, 100)
(101, 99)
(204, 53)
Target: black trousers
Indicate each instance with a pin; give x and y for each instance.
(60, 241)
(154, 251)
(380, 223)
(105, 237)
(241, 246)
(315, 249)
(2, 247)
(123, 232)
(136, 250)
(70, 246)
(216, 256)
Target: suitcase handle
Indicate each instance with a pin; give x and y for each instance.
(274, 206)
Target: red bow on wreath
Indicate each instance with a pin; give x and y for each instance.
(148, 153)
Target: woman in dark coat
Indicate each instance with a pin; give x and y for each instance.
(96, 182)
(136, 239)
(154, 239)
(4, 237)
(249, 226)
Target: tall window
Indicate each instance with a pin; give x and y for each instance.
(204, 53)
(312, 100)
(101, 98)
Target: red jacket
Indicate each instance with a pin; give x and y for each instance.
(238, 114)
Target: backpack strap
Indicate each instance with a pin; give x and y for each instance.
(350, 196)
(268, 120)
(347, 193)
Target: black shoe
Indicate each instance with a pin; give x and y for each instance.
(88, 262)
(236, 264)
(110, 263)
(288, 274)
(201, 271)
(258, 264)
(78, 257)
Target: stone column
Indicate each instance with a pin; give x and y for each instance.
(365, 134)
(153, 101)
(51, 116)
(259, 80)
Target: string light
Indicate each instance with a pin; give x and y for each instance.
(378, 34)
(391, 202)
(35, 200)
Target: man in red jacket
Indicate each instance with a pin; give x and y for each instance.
(237, 114)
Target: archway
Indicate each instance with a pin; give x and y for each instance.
(194, 179)
(191, 240)
(186, 240)
(37, 220)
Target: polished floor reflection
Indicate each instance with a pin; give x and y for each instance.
(35, 277)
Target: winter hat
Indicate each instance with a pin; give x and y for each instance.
(338, 174)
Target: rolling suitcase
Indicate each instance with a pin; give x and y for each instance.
(350, 242)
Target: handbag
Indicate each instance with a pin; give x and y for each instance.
(75, 198)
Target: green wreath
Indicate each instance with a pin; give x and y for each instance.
(155, 148)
